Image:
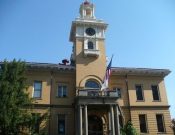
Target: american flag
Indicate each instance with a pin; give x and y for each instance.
(107, 75)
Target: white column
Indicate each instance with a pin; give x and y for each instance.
(86, 119)
(80, 120)
(109, 118)
(117, 124)
(112, 120)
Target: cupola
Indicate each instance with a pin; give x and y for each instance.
(87, 10)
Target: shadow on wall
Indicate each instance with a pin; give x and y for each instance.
(81, 59)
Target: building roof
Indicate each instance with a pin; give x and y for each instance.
(140, 71)
(115, 70)
(35, 65)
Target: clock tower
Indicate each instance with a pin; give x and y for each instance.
(88, 37)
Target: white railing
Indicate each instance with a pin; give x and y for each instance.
(97, 93)
(91, 52)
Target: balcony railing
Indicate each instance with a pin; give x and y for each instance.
(91, 52)
(97, 93)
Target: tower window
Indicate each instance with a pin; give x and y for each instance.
(92, 84)
(90, 45)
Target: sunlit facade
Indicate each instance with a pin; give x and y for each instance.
(72, 94)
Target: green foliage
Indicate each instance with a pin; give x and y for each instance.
(36, 121)
(128, 129)
(14, 101)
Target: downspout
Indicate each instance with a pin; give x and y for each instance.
(51, 83)
(129, 107)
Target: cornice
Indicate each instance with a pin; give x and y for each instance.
(140, 71)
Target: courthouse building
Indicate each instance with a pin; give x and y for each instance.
(72, 93)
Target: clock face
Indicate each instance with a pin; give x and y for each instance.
(90, 31)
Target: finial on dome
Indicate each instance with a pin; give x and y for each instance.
(86, 2)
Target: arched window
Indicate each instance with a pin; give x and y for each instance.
(92, 84)
(90, 45)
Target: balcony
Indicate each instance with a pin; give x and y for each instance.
(95, 96)
(97, 93)
(91, 52)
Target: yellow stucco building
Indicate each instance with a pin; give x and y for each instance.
(72, 93)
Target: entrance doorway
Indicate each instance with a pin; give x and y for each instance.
(95, 125)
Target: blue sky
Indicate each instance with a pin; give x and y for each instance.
(141, 33)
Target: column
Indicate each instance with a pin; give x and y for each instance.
(109, 118)
(80, 119)
(86, 120)
(112, 120)
(117, 124)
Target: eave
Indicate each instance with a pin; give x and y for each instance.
(140, 71)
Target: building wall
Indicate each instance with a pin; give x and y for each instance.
(69, 120)
(67, 79)
(146, 83)
(151, 119)
(67, 105)
(119, 82)
(43, 76)
(89, 66)
(147, 106)
(50, 103)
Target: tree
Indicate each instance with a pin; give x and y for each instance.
(128, 129)
(14, 101)
(173, 125)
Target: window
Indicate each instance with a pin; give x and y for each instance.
(139, 92)
(61, 124)
(36, 122)
(92, 84)
(62, 91)
(37, 89)
(160, 123)
(119, 92)
(143, 124)
(90, 45)
(120, 120)
(155, 92)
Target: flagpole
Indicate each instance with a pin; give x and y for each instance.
(107, 75)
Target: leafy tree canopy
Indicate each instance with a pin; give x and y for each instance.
(13, 98)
